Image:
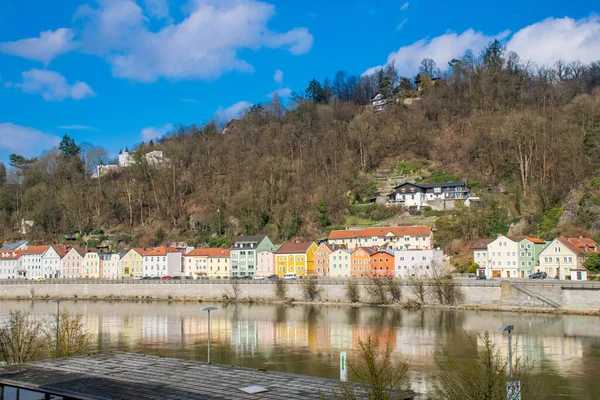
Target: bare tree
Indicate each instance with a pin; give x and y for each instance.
(73, 338)
(236, 289)
(352, 291)
(280, 289)
(311, 289)
(418, 288)
(21, 339)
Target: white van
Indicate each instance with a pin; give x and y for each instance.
(290, 275)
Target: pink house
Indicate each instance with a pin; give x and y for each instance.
(72, 263)
(265, 265)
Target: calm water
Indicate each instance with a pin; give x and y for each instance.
(308, 339)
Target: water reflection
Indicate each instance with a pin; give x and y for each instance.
(308, 339)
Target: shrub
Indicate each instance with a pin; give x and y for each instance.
(73, 339)
(352, 291)
(21, 339)
(311, 289)
(280, 289)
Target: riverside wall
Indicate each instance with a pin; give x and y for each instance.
(547, 296)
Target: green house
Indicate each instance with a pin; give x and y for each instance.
(529, 255)
(244, 254)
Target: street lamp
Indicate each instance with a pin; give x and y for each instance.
(57, 301)
(209, 309)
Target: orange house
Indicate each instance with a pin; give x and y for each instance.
(382, 263)
(361, 260)
(321, 265)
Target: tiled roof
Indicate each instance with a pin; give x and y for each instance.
(11, 254)
(386, 251)
(578, 245)
(368, 250)
(61, 250)
(36, 250)
(381, 232)
(536, 240)
(292, 247)
(158, 251)
(209, 252)
(482, 244)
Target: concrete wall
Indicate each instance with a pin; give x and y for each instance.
(536, 295)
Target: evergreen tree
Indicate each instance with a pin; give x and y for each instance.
(315, 93)
(68, 148)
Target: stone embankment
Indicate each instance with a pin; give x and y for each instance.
(524, 295)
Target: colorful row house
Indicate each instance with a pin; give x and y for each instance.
(295, 257)
(393, 238)
(210, 263)
(565, 257)
(244, 254)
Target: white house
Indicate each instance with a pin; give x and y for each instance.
(103, 169)
(162, 261)
(52, 261)
(378, 101)
(565, 257)
(339, 263)
(421, 195)
(31, 262)
(111, 265)
(480, 254)
(392, 237)
(10, 262)
(125, 159)
(503, 257)
(18, 245)
(418, 262)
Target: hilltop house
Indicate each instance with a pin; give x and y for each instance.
(295, 257)
(564, 257)
(439, 196)
(394, 237)
(378, 101)
(244, 254)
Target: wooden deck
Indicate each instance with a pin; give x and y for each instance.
(137, 376)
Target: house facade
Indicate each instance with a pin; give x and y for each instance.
(421, 195)
(265, 264)
(529, 255)
(207, 262)
(244, 254)
(52, 261)
(340, 263)
(378, 101)
(295, 257)
(111, 265)
(361, 261)
(480, 254)
(10, 262)
(18, 245)
(565, 256)
(73, 263)
(322, 259)
(418, 262)
(132, 262)
(393, 237)
(503, 257)
(92, 264)
(31, 262)
(382, 263)
(162, 261)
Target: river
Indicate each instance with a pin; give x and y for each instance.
(307, 339)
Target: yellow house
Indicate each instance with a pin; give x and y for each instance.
(296, 257)
(91, 263)
(132, 263)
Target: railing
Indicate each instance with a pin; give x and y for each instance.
(48, 392)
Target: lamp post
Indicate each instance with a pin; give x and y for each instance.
(57, 301)
(513, 389)
(209, 309)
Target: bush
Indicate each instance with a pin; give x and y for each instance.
(311, 289)
(280, 289)
(473, 268)
(352, 291)
(73, 339)
(21, 339)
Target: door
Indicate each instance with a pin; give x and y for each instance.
(522, 274)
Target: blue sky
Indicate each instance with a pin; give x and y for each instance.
(116, 72)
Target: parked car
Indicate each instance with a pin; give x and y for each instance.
(137, 278)
(165, 278)
(155, 278)
(538, 275)
(176, 278)
(247, 277)
(188, 278)
(146, 278)
(290, 276)
(481, 277)
(40, 279)
(273, 278)
(259, 277)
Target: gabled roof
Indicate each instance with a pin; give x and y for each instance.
(253, 238)
(432, 185)
(535, 240)
(368, 250)
(159, 251)
(60, 249)
(328, 246)
(482, 244)
(10, 254)
(381, 232)
(13, 246)
(386, 251)
(209, 252)
(579, 245)
(293, 247)
(79, 250)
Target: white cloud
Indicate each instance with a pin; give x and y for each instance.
(152, 133)
(77, 128)
(25, 141)
(401, 24)
(543, 42)
(225, 115)
(52, 86)
(205, 44)
(283, 92)
(278, 76)
(558, 38)
(404, 6)
(158, 9)
(44, 48)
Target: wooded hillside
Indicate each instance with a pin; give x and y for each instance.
(524, 136)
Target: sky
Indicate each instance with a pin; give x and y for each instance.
(115, 73)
